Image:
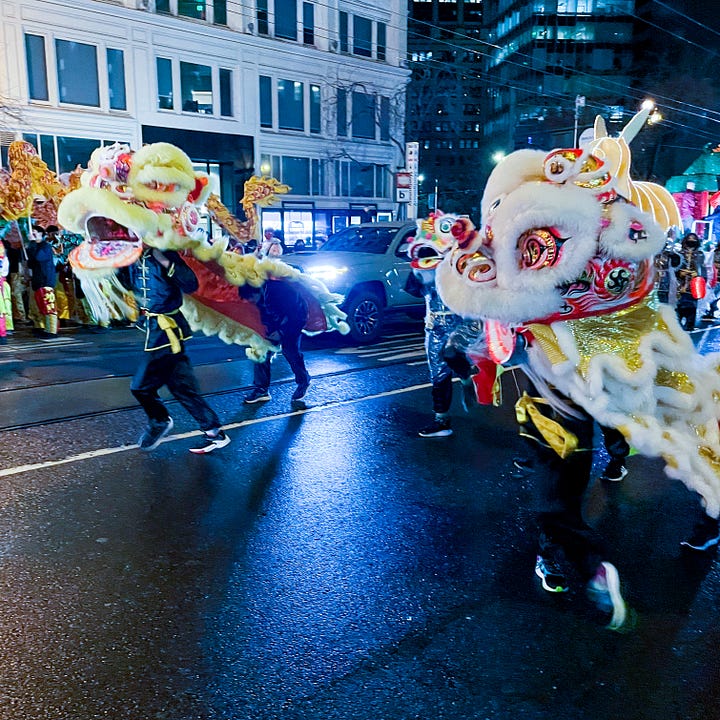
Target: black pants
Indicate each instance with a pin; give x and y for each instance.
(615, 444)
(559, 488)
(162, 367)
(686, 311)
(290, 342)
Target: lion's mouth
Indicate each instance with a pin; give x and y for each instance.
(106, 230)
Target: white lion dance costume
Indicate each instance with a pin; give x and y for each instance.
(565, 256)
(153, 197)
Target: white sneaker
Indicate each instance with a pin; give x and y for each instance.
(604, 590)
(211, 442)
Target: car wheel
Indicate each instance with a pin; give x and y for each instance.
(365, 317)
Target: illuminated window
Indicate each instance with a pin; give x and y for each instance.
(77, 73)
(290, 105)
(192, 8)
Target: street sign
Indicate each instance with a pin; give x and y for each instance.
(403, 195)
(403, 179)
(412, 157)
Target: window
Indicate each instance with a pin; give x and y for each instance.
(47, 151)
(308, 23)
(164, 84)
(36, 67)
(290, 105)
(226, 109)
(286, 19)
(116, 79)
(220, 12)
(162, 6)
(192, 8)
(342, 113)
(296, 174)
(77, 73)
(263, 27)
(384, 118)
(74, 151)
(362, 36)
(363, 116)
(196, 88)
(266, 113)
(343, 31)
(315, 123)
(381, 41)
(318, 177)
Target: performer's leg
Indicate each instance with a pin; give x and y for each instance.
(290, 341)
(150, 376)
(182, 383)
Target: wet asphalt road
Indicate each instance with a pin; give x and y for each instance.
(327, 565)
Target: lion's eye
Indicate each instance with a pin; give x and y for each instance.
(445, 226)
(539, 248)
(495, 204)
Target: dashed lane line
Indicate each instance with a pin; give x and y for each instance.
(19, 469)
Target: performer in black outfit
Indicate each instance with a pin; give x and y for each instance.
(159, 280)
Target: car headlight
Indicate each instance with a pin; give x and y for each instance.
(327, 273)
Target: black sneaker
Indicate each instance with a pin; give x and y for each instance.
(604, 591)
(706, 536)
(211, 442)
(256, 396)
(551, 575)
(614, 471)
(154, 433)
(439, 428)
(300, 392)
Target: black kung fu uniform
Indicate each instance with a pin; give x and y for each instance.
(159, 293)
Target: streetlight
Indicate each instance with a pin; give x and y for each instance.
(498, 156)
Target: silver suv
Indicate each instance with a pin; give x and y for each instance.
(369, 265)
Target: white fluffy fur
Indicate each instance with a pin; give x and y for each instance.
(658, 421)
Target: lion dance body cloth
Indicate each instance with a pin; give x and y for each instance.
(565, 257)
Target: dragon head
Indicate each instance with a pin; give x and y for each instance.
(128, 199)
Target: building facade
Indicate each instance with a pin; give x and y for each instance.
(445, 100)
(311, 93)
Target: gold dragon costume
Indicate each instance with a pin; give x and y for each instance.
(153, 197)
(565, 256)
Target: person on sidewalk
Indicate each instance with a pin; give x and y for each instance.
(159, 279)
(284, 313)
(41, 262)
(6, 317)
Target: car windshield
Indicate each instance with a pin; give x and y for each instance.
(361, 239)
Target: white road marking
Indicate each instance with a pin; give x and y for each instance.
(18, 470)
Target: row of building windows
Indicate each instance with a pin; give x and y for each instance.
(198, 88)
(78, 68)
(63, 154)
(308, 176)
(283, 106)
(291, 20)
